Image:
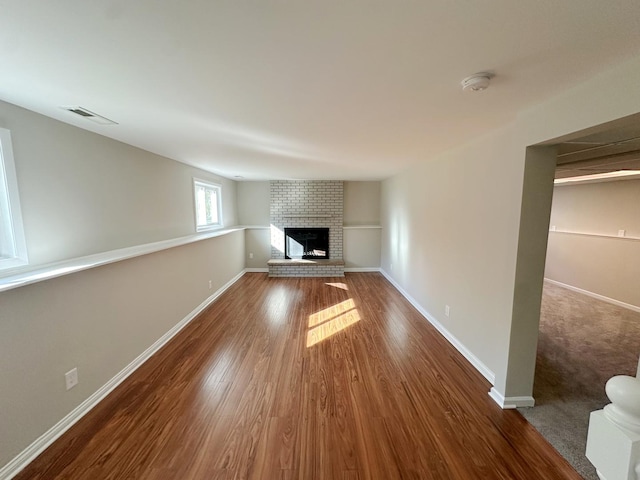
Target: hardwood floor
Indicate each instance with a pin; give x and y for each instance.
(289, 378)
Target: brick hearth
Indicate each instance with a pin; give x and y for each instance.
(304, 204)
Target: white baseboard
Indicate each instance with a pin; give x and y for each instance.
(256, 270)
(361, 269)
(475, 361)
(597, 296)
(507, 403)
(25, 457)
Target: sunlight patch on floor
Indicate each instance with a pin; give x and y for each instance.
(343, 286)
(331, 312)
(328, 322)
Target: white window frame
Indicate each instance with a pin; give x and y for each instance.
(213, 186)
(13, 248)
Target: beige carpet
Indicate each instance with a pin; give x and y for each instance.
(582, 343)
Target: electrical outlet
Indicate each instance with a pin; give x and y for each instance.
(71, 378)
(391, 266)
(621, 233)
(210, 285)
(446, 310)
(251, 255)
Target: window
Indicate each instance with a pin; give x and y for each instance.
(208, 198)
(13, 250)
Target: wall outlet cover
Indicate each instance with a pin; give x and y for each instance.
(71, 378)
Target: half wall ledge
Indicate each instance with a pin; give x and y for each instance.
(279, 267)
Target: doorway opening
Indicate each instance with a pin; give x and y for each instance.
(589, 325)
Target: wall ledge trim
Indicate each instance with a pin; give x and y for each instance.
(597, 296)
(52, 270)
(508, 403)
(466, 353)
(601, 235)
(29, 454)
(361, 227)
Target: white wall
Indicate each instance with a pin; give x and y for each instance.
(451, 226)
(82, 193)
(605, 265)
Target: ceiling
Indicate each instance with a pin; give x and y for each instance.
(323, 89)
(606, 151)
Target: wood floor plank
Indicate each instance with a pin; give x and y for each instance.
(303, 378)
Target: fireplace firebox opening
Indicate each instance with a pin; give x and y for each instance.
(306, 243)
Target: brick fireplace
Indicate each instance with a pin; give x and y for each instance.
(306, 204)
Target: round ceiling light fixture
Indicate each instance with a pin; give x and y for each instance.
(477, 82)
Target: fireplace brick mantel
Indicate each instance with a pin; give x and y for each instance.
(306, 204)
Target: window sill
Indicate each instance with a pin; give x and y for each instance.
(41, 273)
(211, 228)
(7, 264)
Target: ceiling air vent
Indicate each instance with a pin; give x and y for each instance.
(89, 115)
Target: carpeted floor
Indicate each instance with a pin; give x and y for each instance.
(582, 343)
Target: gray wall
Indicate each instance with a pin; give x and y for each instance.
(98, 320)
(361, 203)
(451, 223)
(253, 211)
(253, 203)
(82, 193)
(449, 237)
(599, 261)
(361, 208)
